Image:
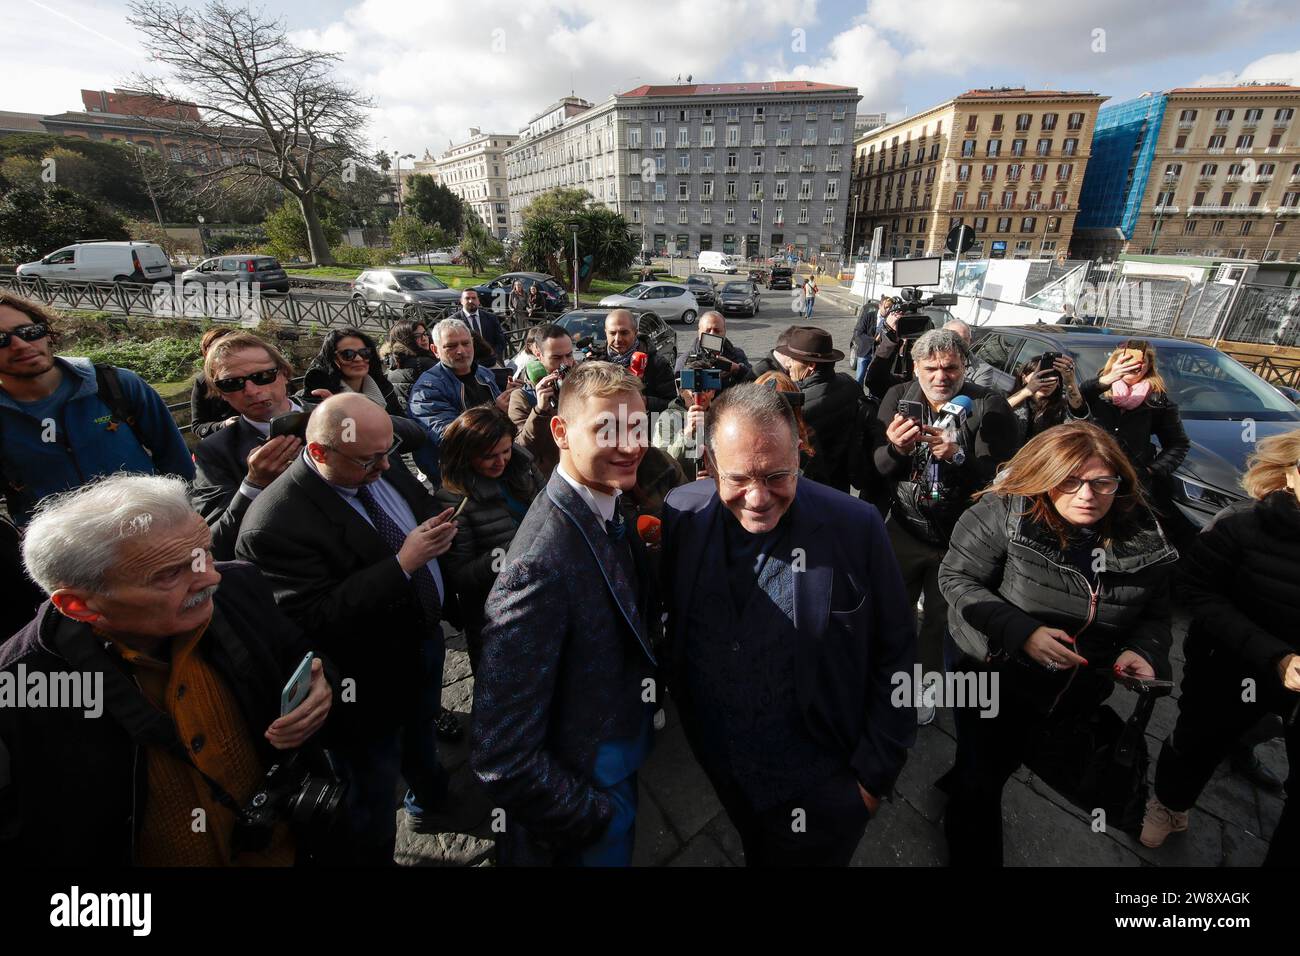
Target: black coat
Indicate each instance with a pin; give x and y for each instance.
(659, 380)
(74, 799)
(767, 364)
(492, 334)
(864, 332)
(484, 531)
(207, 414)
(404, 367)
(334, 576)
(988, 438)
(331, 379)
(221, 465)
(831, 404)
(566, 649)
(881, 375)
(1005, 576)
(1157, 417)
(1241, 583)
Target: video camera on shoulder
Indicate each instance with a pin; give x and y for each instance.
(912, 323)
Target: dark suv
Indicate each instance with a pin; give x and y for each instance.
(1215, 394)
(703, 289)
(780, 278)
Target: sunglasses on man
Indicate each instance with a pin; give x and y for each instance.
(236, 383)
(351, 355)
(28, 333)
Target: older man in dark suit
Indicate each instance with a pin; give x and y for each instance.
(565, 693)
(350, 547)
(787, 622)
(234, 465)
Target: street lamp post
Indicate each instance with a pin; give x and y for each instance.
(577, 300)
(853, 232)
(203, 242)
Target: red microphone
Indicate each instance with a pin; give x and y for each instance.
(650, 530)
(638, 364)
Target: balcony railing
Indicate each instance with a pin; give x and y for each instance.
(1164, 210)
(1244, 150)
(1216, 150)
(758, 142)
(810, 141)
(783, 141)
(1273, 149)
(782, 169)
(707, 198)
(1288, 210)
(756, 169)
(1179, 150)
(807, 167)
(1227, 210)
(1186, 124)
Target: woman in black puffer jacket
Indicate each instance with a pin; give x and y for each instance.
(406, 357)
(1241, 583)
(1057, 575)
(481, 462)
(1129, 400)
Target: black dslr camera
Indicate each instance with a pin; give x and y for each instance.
(912, 323)
(310, 798)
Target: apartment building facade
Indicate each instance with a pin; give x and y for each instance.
(475, 170)
(1196, 171)
(1009, 162)
(743, 168)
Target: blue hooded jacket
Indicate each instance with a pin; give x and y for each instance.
(437, 398)
(85, 442)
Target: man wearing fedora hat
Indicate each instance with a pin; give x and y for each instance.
(831, 403)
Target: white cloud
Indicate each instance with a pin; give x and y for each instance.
(1284, 67)
(859, 56)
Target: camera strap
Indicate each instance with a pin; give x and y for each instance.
(219, 793)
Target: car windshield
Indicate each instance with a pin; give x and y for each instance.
(415, 282)
(635, 291)
(698, 280)
(1204, 382)
(578, 324)
(737, 288)
(265, 265)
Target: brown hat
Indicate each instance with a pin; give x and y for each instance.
(807, 343)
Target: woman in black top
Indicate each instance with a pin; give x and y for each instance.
(481, 463)
(209, 414)
(406, 355)
(1046, 397)
(1056, 578)
(348, 361)
(1241, 584)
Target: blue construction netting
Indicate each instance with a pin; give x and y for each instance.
(1123, 149)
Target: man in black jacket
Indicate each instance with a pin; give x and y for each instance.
(350, 547)
(483, 324)
(831, 403)
(730, 360)
(621, 346)
(235, 464)
(933, 466)
(166, 672)
(565, 695)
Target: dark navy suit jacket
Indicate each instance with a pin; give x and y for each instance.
(567, 648)
(854, 625)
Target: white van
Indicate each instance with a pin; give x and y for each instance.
(711, 261)
(103, 262)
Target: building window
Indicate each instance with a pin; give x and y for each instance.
(1245, 227)
(731, 189)
(988, 172)
(1217, 141)
(963, 172)
(1075, 123)
(993, 148)
(1017, 147)
(636, 213)
(1023, 122)
(706, 137)
(972, 123)
(1187, 116)
(1189, 227)
(968, 147)
(1283, 116)
(829, 217)
(780, 189)
(1004, 224)
(1209, 169)
(733, 135)
(1245, 141)
(803, 214)
(659, 215)
(1049, 121)
(658, 137)
(1252, 116)
(683, 192)
(1223, 117)
(1044, 147)
(981, 223)
(958, 200)
(681, 217)
(1013, 171)
(982, 201)
(733, 162)
(706, 216)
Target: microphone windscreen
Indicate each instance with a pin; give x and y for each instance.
(649, 529)
(638, 364)
(964, 401)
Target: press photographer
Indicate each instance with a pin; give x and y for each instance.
(201, 682)
(904, 322)
(711, 343)
(938, 440)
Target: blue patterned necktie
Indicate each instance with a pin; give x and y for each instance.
(426, 589)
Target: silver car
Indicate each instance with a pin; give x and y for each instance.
(665, 300)
(403, 291)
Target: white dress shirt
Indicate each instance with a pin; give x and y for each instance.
(601, 503)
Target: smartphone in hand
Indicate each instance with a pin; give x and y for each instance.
(295, 692)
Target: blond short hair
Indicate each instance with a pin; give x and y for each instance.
(595, 379)
(232, 342)
(1267, 467)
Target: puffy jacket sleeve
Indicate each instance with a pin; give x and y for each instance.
(1167, 425)
(433, 407)
(972, 570)
(1205, 587)
(1153, 636)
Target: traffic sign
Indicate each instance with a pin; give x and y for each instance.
(960, 239)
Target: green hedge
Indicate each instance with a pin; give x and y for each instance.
(363, 256)
(165, 359)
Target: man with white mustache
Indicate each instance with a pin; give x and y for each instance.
(192, 655)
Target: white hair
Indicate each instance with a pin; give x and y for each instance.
(72, 541)
(445, 326)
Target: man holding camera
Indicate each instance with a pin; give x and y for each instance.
(938, 440)
(679, 431)
(533, 406)
(727, 358)
(181, 664)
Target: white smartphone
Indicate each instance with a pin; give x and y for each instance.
(295, 692)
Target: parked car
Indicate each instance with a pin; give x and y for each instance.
(265, 271)
(430, 258)
(652, 331)
(712, 261)
(738, 297)
(1215, 395)
(702, 288)
(102, 262)
(493, 294)
(402, 290)
(667, 300)
(781, 277)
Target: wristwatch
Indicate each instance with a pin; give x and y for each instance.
(960, 457)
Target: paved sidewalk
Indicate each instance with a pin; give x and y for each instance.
(681, 822)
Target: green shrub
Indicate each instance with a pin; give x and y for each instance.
(164, 359)
(363, 256)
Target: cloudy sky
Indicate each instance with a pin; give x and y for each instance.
(438, 67)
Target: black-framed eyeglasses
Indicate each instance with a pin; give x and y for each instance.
(351, 355)
(776, 481)
(28, 333)
(236, 383)
(369, 464)
(1105, 485)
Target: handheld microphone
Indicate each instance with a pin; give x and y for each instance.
(650, 530)
(954, 413)
(535, 371)
(638, 364)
